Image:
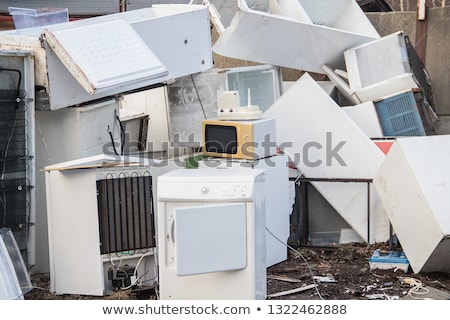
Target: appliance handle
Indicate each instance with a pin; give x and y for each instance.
(172, 231)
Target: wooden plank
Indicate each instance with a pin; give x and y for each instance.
(287, 292)
(281, 278)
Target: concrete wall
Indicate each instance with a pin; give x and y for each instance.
(411, 5)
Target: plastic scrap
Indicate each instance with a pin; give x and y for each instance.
(394, 260)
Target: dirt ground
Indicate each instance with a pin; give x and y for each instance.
(339, 272)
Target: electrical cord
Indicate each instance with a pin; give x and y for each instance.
(122, 133)
(416, 287)
(113, 143)
(303, 258)
(198, 96)
(135, 275)
(122, 136)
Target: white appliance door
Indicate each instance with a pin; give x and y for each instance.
(104, 55)
(210, 238)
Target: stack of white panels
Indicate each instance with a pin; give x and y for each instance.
(325, 143)
(302, 34)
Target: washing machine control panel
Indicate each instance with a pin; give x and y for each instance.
(228, 190)
(208, 190)
(209, 184)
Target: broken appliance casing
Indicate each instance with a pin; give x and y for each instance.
(68, 134)
(413, 183)
(134, 131)
(70, 71)
(155, 104)
(18, 181)
(379, 68)
(100, 224)
(300, 34)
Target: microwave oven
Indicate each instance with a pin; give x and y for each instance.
(239, 139)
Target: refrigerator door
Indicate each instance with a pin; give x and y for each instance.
(73, 62)
(104, 55)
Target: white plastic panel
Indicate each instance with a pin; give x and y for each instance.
(76, 233)
(254, 35)
(379, 68)
(180, 36)
(378, 60)
(414, 183)
(104, 54)
(153, 102)
(192, 99)
(289, 8)
(210, 238)
(345, 15)
(365, 116)
(341, 84)
(9, 284)
(277, 203)
(310, 125)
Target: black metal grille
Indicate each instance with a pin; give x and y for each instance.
(421, 74)
(126, 215)
(14, 166)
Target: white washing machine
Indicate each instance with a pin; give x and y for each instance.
(211, 235)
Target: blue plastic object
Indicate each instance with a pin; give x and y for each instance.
(399, 116)
(392, 257)
(393, 260)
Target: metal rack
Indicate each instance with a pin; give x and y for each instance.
(125, 209)
(15, 156)
(299, 218)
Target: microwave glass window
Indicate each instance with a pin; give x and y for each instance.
(221, 139)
